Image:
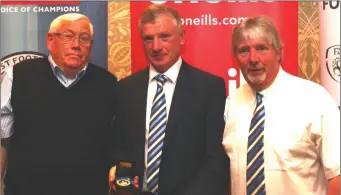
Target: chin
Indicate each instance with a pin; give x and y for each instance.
(73, 64)
(256, 80)
(158, 64)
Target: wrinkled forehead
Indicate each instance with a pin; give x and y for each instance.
(163, 18)
(80, 25)
(255, 34)
(162, 24)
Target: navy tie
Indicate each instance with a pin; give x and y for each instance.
(157, 127)
(255, 151)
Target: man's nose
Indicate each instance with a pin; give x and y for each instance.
(75, 42)
(254, 56)
(156, 45)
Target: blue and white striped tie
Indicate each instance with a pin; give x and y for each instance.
(157, 127)
(255, 152)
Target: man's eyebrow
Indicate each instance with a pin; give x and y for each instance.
(243, 47)
(71, 31)
(67, 31)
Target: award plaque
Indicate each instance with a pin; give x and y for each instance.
(124, 181)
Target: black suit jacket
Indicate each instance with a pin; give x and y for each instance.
(193, 160)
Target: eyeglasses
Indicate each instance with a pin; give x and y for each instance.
(84, 39)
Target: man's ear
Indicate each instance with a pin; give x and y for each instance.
(182, 36)
(279, 56)
(49, 40)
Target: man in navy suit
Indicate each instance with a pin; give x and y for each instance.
(169, 117)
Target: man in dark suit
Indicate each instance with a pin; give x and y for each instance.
(169, 117)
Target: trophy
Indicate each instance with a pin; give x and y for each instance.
(124, 181)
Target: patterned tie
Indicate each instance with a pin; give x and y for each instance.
(157, 127)
(255, 151)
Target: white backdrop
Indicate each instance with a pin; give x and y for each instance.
(330, 47)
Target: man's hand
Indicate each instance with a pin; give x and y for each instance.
(112, 177)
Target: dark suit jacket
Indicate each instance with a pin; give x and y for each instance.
(193, 160)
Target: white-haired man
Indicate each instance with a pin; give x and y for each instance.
(56, 117)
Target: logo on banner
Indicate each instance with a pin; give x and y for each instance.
(14, 58)
(15, 2)
(333, 62)
(331, 4)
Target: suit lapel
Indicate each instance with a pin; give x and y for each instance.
(181, 97)
(140, 98)
(139, 102)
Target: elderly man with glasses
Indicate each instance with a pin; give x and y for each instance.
(56, 116)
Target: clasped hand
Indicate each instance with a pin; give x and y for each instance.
(112, 177)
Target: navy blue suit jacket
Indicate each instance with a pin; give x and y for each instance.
(193, 160)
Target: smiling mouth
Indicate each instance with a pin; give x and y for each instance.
(159, 56)
(74, 56)
(256, 71)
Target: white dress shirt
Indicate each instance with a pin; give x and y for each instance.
(168, 88)
(7, 117)
(301, 136)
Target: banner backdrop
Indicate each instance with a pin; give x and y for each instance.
(330, 47)
(208, 27)
(208, 30)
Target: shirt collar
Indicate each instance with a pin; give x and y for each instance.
(172, 73)
(270, 90)
(56, 68)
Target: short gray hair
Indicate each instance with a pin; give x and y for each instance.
(154, 10)
(254, 28)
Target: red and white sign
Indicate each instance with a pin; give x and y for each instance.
(209, 27)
